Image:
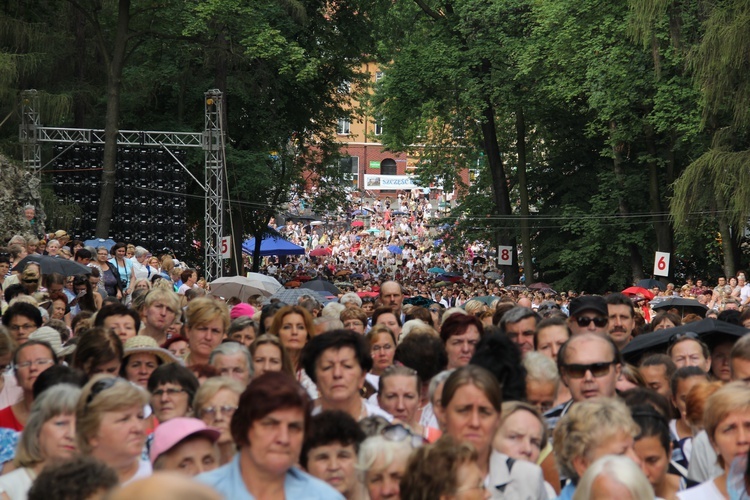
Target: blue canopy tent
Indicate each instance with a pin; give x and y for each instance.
(272, 245)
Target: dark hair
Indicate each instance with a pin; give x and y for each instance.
(500, 356)
(77, 478)
(516, 314)
(86, 303)
(620, 299)
(651, 424)
(116, 247)
(684, 373)
(423, 352)
(269, 310)
(457, 324)
(328, 427)
(335, 339)
(270, 392)
(419, 312)
(642, 396)
(58, 374)
(385, 310)
(117, 309)
(13, 291)
(187, 274)
(730, 316)
(174, 373)
(23, 309)
(172, 340)
(660, 360)
(30, 343)
(97, 346)
(204, 370)
(82, 253)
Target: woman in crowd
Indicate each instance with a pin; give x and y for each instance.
(382, 461)
(589, 430)
(86, 299)
(215, 404)
(207, 321)
(727, 423)
(123, 267)
(294, 327)
(109, 425)
(385, 316)
(460, 334)
(354, 319)
(50, 434)
(274, 407)
(471, 408)
(53, 248)
(399, 395)
(142, 355)
(29, 361)
(178, 346)
(665, 320)
(109, 278)
(460, 476)
(172, 388)
(337, 362)
(269, 355)
(10, 393)
(653, 446)
(614, 476)
(382, 342)
(99, 350)
(58, 308)
(523, 435)
(243, 330)
(683, 380)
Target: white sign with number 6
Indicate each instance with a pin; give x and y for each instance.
(661, 264)
(226, 247)
(504, 256)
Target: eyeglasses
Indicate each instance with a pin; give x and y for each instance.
(36, 362)
(212, 411)
(584, 321)
(598, 370)
(398, 433)
(680, 336)
(100, 386)
(27, 326)
(379, 348)
(170, 391)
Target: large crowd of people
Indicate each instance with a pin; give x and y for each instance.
(425, 377)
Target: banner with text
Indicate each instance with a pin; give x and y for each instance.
(391, 182)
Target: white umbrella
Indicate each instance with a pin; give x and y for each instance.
(244, 287)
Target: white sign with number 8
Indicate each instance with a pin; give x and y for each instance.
(504, 256)
(661, 264)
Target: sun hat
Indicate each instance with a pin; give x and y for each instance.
(60, 234)
(170, 433)
(144, 343)
(52, 337)
(242, 310)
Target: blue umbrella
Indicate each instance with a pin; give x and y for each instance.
(99, 242)
(395, 249)
(436, 270)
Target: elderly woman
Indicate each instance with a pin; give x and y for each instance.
(233, 360)
(269, 355)
(109, 425)
(592, 429)
(172, 388)
(50, 434)
(461, 334)
(614, 476)
(727, 423)
(382, 461)
(243, 330)
(99, 350)
(207, 321)
(337, 362)
(215, 404)
(459, 472)
(354, 319)
(142, 355)
(269, 428)
(471, 409)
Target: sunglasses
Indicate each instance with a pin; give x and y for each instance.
(584, 321)
(679, 336)
(598, 370)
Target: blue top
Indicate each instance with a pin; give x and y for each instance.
(227, 480)
(567, 492)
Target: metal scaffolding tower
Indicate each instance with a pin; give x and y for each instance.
(211, 140)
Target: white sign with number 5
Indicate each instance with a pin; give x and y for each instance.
(226, 247)
(504, 256)
(661, 264)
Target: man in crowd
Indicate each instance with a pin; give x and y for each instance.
(391, 295)
(588, 314)
(621, 319)
(657, 371)
(519, 324)
(159, 311)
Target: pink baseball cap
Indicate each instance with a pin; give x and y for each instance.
(242, 310)
(171, 432)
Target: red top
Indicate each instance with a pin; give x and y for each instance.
(8, 419)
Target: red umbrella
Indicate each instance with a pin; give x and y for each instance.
(320, 252)
(358, 223)
(636, 290)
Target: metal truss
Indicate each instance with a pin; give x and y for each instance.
(211, 140)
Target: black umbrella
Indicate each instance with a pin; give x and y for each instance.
(51, 265)
(680, 303)
(324, 286)
(711, 331)
(651, 283)
(418, 300)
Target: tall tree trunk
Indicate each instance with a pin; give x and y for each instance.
(662, 228)
(636, 265)
(528, 265)
(111, 124)
(79, 103)
(726, 238)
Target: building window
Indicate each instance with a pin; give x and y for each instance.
(379, 127)
(350, 169)
(378, 76)
(344, 126)
(388, 167)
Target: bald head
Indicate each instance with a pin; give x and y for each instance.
(166, 486)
